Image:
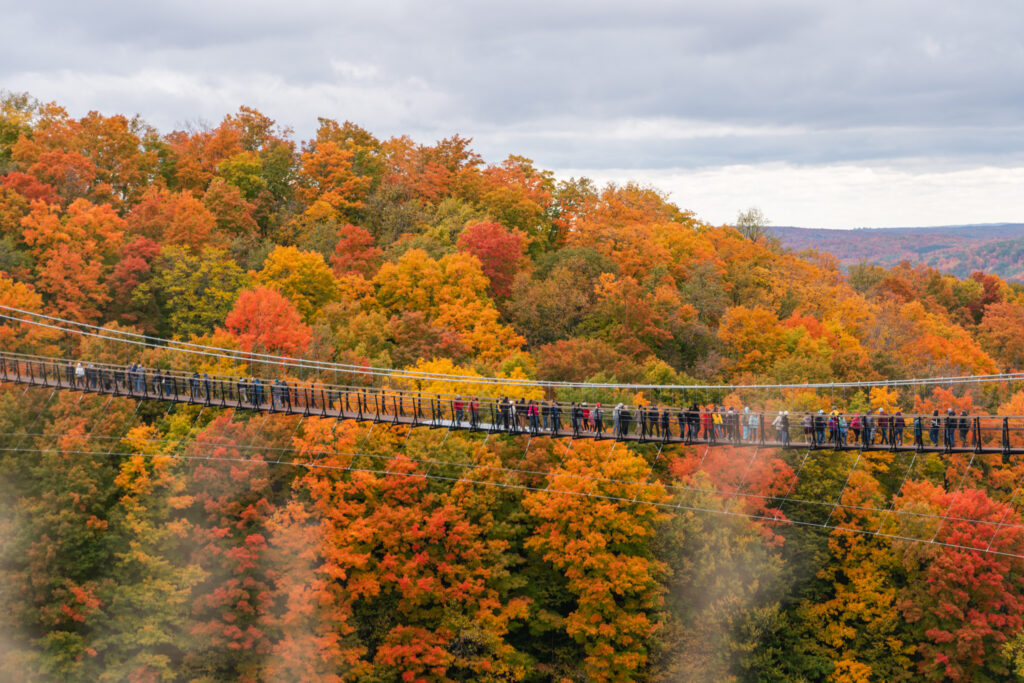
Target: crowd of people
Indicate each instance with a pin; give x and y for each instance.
(718, 424)
(711, 424)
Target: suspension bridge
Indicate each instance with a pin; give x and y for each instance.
(976, 434)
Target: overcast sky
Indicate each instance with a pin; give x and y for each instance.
(822, 114)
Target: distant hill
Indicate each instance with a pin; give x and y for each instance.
(958, 249)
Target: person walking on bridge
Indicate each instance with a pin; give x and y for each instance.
(883, 426)
(965, 426)
(819, 427)
(597, 415)
(898, 425)
(718, 422)
(458, 406)
(533, 414)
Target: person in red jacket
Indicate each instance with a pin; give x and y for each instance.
(458, 405)
(533, 414)
(707, 425)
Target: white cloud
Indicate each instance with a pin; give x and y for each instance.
(838, 196)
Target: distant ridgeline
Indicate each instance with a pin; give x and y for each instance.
(956, 249)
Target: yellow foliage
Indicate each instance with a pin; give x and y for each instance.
(848, 671)
(444, 366)
(884, 398)
(301, 276)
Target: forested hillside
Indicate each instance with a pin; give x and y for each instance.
(117, 563)
(996, 248)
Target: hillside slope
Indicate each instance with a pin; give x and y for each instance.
(996, 248)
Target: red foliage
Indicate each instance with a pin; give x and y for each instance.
(964, 603)
(30, 187)
(500, 252)
(355, 252)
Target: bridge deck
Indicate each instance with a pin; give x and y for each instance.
(988, 434)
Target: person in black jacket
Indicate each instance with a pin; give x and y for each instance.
(665, 433)
(693, 420)
(965, 426)
(624, 417)
(951, 423)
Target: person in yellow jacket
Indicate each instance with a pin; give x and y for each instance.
(716, 418)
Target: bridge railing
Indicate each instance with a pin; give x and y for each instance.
(943, 432)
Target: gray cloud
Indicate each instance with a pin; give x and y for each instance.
(645, 85)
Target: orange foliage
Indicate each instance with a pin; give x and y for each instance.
(263, 320)
(173, 218)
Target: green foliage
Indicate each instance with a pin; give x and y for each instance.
(194, 291)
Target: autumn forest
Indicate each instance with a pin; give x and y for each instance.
(145, 542)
